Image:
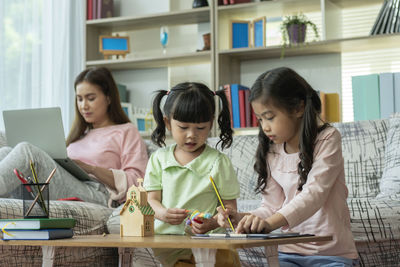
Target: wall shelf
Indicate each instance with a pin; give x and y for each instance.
(183, 17)
(320, 47)
(152, 62)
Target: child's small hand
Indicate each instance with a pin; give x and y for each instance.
(223, 215)
(174, 215)
(252, 224)
(202, 225)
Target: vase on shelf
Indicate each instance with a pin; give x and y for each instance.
(164, 38)
(199, 3)
(297, 33)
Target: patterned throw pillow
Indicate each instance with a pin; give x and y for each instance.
(363, 146)
(241, 153)
(390, 181)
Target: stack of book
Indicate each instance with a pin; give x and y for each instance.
(99, 9)
(388, 20)
(36, 229)
(242, 114)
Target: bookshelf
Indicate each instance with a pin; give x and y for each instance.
(140, 59)
(227, 66)
(340, 36)
(146, 68)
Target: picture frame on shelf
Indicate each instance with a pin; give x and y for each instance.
(114, 45)
(240, 34)
(273, 31)
(127, 108)
(143, 120)
(258, 32)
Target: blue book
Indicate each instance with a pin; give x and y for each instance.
(42, 234)
(235, 103)
(366, 104)
(386, 97)
(396, 91)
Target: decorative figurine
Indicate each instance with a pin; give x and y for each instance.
(137, 217)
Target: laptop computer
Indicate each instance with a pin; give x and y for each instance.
(43, 128)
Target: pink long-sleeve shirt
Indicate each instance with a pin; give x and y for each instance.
(321, 207)
(118, 148)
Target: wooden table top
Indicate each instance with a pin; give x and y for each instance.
(162, 241)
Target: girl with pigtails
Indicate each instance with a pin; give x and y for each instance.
(177, 176)
(300, 171)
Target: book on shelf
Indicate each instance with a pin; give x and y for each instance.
(242, 109)
(227, 90)
(235, 88)
(248, 109)
(254, 121)
(232, 2)
(396, 92)
(332, 107)
(41, 234)
(98, 9)
(105, 9)
(323, 105)
(366, 104)
(386, 94)
(378, 20)
(37, 223)
(89, 9)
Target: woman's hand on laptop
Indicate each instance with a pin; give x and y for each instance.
(104, 175)
(86, 167)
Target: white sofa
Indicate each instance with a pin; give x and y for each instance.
(371, 151)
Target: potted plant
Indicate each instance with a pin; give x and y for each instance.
(294, 29)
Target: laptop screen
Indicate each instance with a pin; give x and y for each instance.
(41, 127)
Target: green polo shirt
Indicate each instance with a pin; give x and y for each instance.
(189, 186)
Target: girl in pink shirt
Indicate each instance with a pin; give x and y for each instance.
(300, 171)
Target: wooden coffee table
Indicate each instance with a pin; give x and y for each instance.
(203, 249)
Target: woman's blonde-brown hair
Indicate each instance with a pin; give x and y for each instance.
(103, 78)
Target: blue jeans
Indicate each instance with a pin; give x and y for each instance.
(296, 260)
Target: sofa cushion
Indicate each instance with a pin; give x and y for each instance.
(363, 145)
(3, 141)
(390, 181)
(90, 219)
(241, 153)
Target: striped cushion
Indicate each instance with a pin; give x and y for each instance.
(90, 219)
(363, 146)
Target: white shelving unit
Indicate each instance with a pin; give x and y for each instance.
(227, 65)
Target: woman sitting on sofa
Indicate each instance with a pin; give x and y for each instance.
(102, 141)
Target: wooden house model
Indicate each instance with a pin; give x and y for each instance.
(136, 216)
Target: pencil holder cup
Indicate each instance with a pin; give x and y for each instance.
(35, 199)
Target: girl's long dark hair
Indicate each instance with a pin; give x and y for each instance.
(194, 103)
(286, 89)
(103, 78)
